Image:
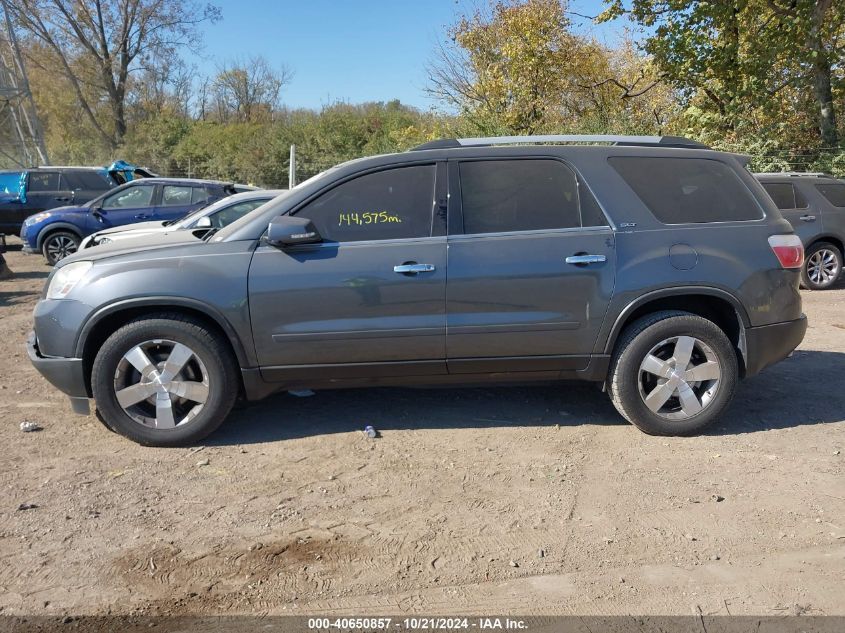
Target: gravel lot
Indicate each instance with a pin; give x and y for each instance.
(533, 500)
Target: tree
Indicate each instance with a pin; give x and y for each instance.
(96, 44)
(248, 90)
(748, 67)
(518, 67)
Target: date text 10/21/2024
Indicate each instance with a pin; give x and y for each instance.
(417, 624)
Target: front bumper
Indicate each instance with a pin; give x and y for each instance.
(27, 247)
(768, 344)
(66, 374)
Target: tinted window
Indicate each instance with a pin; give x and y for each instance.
(85, 180)
(519, 195)
(226, 216)
(782, 193)
(173, 196)
(835, 194)
(687, 190)
(43, 181)
(130, 198)
(391, 204)
(200, 194)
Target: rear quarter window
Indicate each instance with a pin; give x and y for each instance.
(688, 190)
(834, 193)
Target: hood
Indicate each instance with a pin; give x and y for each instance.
(138, 227)
(163, 241)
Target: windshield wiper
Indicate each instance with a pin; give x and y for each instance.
(208, 235)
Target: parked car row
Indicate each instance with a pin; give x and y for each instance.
(653, 265)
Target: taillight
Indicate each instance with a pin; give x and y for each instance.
(788, 249)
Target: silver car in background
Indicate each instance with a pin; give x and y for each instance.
(214, 216)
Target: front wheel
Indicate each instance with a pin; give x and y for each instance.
(164, 380)
(822, 266)
(58, 245)
(673, 373)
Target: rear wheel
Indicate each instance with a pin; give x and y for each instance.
(822, 266)
(673, 373)
(58, 245)
(164, 380)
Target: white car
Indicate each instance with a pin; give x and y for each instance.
(214, 216)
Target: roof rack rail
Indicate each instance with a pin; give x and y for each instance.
(611, 139)
(817, 174)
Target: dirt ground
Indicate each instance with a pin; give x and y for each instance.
(532, 500)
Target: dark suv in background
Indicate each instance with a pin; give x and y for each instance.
(652, 265)
(29, 191)
(814, 204)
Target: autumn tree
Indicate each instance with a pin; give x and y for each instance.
(95, 45)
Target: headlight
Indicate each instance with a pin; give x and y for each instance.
(104, 240)
(66, 278)
(38, 217)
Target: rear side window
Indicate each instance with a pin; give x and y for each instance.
(835, 194)
(90, 180)
(391, 204)
(783, 194)
(43, 181)
(175, 196)
(200, 195)
(523, 195)
(688, 190)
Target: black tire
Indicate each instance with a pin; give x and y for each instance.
(208, 348)
(822, 250)
(634, 345)
(58, 245)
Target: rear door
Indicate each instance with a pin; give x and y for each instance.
(371, 298)
(793, 205)
(531, 267)
(177, 201)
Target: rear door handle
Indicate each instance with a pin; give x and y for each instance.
(808, 218)
(412, 268)
(581, 260)
(141, 216)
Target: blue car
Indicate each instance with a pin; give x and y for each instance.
(57, 233)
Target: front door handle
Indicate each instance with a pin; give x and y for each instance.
(141, 216)
(808, 218)
(582, 260)
(412, 268)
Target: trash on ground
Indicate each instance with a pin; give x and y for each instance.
(27, 506)
(370, 432)
(30, 427)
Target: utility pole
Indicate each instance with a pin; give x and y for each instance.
(292, 168)
(20, 131)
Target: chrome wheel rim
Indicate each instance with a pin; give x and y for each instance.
(679, 377)
(823, 267)
(59, 247)
(161, 384)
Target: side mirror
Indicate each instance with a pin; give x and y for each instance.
(203, 223)
(97, 212)
(287, 230)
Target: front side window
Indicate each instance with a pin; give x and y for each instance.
(391, 204)
(43, 181)
(688, 190)
(199, 195)
(173, 196)
(834, 193)
(523, 195)
(130, 198)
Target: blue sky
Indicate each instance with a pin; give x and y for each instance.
(348, 50)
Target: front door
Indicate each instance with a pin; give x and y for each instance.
(370, 298)
(806, 222)
(531, 268)
(130, 204)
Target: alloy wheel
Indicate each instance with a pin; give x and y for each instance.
(59, 247)
(161, 384)
(679, 377)
(823, 267)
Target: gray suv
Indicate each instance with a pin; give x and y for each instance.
(650, 264)
(814, 204)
